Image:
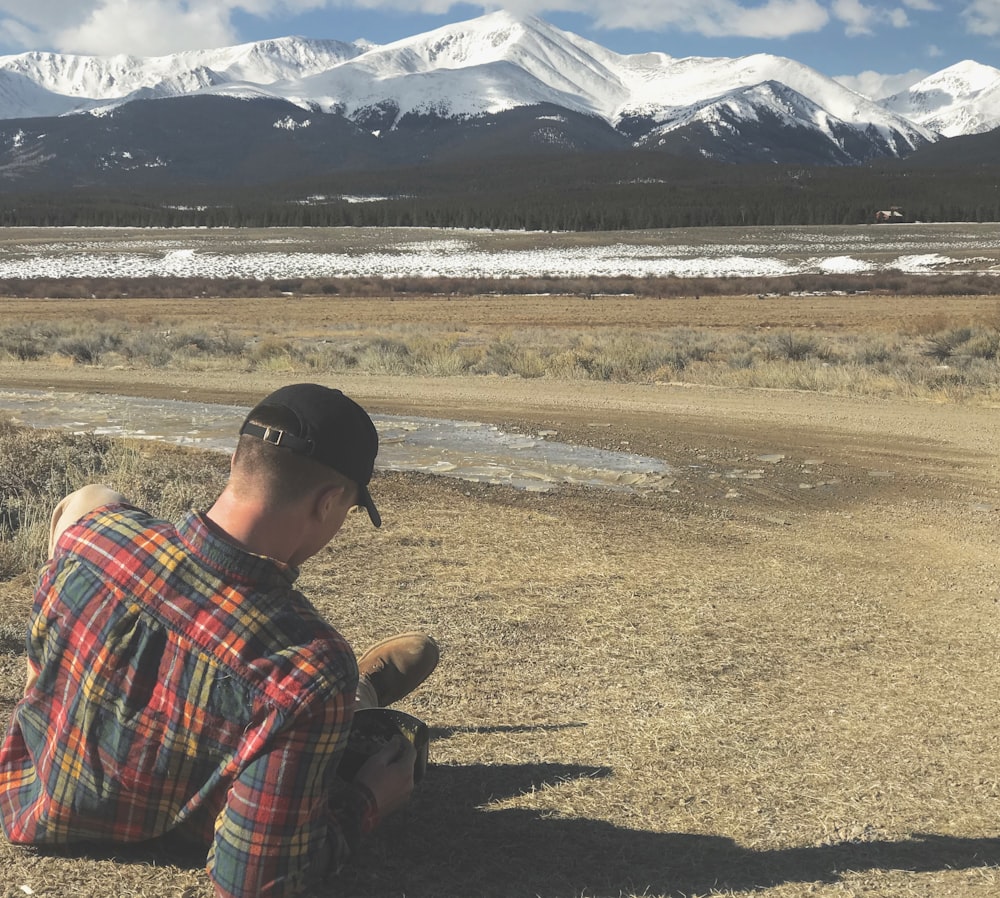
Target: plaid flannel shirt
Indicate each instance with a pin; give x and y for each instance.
(183, 685)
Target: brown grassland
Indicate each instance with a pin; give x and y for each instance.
(780, 678)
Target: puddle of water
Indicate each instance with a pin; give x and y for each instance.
(465, 450)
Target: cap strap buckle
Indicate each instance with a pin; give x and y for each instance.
(272, 435)
(277, 437)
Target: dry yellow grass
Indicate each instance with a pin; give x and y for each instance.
(302, 316)
(905, 346)
(781, 685)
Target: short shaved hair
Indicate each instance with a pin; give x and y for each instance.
(281, 476)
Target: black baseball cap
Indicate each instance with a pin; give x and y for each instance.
(330, 428)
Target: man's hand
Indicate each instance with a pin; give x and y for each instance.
(389, 774)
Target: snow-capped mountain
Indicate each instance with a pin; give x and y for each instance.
(82, 83)
(491, 64)
(475, 81)
(961, 99)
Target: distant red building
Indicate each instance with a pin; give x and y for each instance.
(892, 215)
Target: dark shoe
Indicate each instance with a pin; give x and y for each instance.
(398, 665)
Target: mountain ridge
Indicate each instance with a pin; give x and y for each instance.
(959, 100)
(334, 74)
(460, 82)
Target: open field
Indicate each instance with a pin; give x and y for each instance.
(428, 252)
(314, 316)
(931, 347)
(778, 679)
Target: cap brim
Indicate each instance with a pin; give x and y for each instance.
(366, 502)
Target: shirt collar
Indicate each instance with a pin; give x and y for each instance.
(211, 543)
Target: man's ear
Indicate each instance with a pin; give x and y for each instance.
(327, 500)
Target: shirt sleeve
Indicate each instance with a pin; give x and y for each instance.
(288, 820)
(42, 613)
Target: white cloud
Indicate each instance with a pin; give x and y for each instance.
(16, 34)
(877, 86)
(26, 25)
(140, 27)
(983, 17)
(152, 27)
(898, 18)
(148, 27)
(777, 18)
(860, 19)
(711, 18)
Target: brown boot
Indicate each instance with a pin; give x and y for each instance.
(396, 666)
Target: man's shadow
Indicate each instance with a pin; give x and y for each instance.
(447, 844)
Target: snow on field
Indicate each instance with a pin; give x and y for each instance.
(921, 263)
(59, 253)
(843, 265)
(416, 262)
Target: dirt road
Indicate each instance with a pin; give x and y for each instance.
(869, 446)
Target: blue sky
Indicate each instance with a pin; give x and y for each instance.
(877, 46)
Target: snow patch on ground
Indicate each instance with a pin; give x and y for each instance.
(922, 263)
(321, 253)
(843, 265)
